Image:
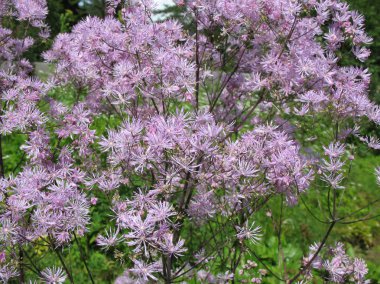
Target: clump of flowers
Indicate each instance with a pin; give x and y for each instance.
(339, 266)
(178, 138)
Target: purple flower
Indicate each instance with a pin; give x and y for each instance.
(171, 249)
(53, 275)
(144, 271)
(110, 239)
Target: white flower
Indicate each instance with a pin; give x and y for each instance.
(251, 233)
(54, 275)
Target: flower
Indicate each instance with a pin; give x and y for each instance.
(144, 271)
(171, 249)
(53, 275)
(111, 239)
(251, 232)
(360, 269)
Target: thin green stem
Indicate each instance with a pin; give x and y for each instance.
(84, 259)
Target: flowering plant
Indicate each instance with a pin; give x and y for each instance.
(181, 135)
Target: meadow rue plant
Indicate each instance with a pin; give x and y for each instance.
(204, 127)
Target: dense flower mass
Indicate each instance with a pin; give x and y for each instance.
(20, 92)
(169, 133)
(119, 61)
(339, 266)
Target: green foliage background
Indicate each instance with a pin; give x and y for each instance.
(300, 229)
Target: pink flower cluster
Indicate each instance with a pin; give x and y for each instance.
(201, 132)
(339, 266)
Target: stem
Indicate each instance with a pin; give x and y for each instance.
(224, 84)
(265, 266)
(62, 262)
(196, 63)
(83, 259)
(32, 263)
(166, 268)
(2, 171)
(315, 254)
(64, 266)
(281, 255)
(21, 260)
(169, 269)
(238, 126)
(288, 37)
